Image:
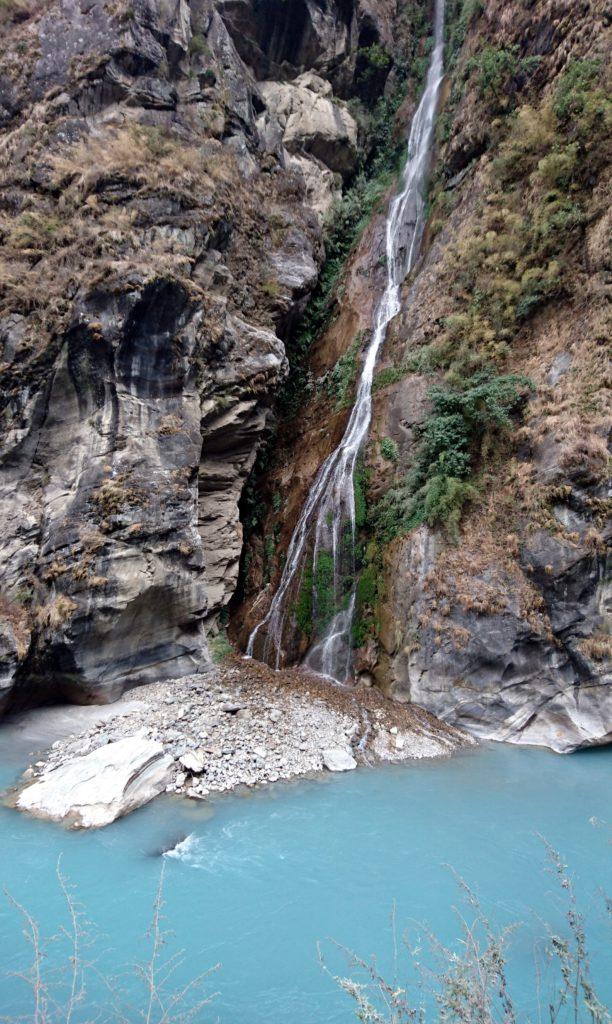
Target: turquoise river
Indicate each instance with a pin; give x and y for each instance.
(259, 879)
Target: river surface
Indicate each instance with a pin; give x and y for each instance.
(262, 878)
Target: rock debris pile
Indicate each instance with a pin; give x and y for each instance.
(243, 725)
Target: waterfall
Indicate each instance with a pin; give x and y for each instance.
(326, 526)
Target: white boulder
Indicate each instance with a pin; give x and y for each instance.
(193, 761)
(95, 789)
(337, 759)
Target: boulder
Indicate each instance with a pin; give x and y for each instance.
(94, 790)
(193, 762)
(312, 122)
(337, 759)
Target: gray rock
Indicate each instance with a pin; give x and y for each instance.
(505, 680)
(94, 790)
(311, 122)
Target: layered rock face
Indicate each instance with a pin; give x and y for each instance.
(160, 217)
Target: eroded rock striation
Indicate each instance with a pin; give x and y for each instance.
(160, 217)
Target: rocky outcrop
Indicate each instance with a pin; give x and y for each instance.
(319, 136)
(311, 122)
(473, 653)
(158, 245)
(98, 787)
(279, 39)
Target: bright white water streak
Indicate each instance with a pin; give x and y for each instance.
(330, 507)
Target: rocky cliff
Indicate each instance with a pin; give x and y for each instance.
(484, 579)
(192, 203)
(165, 168)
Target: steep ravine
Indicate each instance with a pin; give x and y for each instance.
(488, 602)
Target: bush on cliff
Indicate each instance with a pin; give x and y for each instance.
(466, 424)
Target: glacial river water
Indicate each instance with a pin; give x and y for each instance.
(258, 880)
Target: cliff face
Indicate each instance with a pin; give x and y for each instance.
(159, 239)
(166, 172)
(483, 593)
(506, 630)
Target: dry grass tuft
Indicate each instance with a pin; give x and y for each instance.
(55, 612)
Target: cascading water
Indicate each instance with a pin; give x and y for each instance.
(326, 527)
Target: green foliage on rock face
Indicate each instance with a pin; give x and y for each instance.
(517, 256)
(495, 70)
(369, 591)
(577, 96)
(324, 597)
(461, 14)
(303, 608)
(389, 449)
(340, 380)
(465, 425)
(220, 647)
(360, 483)
(198, 45)
(372, 61)
(368, 594)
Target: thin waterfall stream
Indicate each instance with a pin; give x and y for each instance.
(327, 524)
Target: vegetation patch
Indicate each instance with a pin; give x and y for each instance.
(467, 423)
(339, 382)
(518, 255)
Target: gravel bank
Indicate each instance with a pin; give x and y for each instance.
(243, 725)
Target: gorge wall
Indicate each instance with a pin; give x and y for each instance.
(192, 198)
(161, 202)
(484, 574)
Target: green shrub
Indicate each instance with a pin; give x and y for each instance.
(575, 88)
(198, 45)
(496, 69)
(557, 168)
(390, 375)
(441, 501)
(464, 424)
(220, 647)
(389, 449)
(372, 59)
